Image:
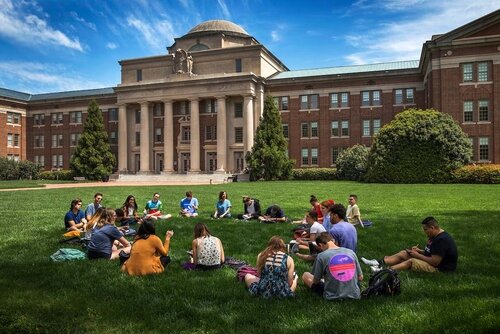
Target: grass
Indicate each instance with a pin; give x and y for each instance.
(9, 184)
(38, 295)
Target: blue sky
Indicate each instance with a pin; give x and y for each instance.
(59, 45)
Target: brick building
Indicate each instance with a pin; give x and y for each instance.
(196, 108)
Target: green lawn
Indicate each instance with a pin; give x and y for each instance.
(38, 295)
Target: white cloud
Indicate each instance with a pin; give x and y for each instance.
(275, 36)
(83, 21)
(225, 10)
(403, 39)
(30, 29)
(155, 34)
(40, 78)
(111, 45)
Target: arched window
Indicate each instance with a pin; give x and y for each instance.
(198, 47)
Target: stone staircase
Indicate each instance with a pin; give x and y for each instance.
(193, 178)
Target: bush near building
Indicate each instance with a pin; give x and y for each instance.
(18, 170)
(418, 146)
(352, 163)
(314, 174)
(477, 174)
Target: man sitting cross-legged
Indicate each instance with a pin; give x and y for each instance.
(153, 209)
(440, 253)
(336, 271)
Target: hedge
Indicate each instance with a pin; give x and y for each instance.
(64, 175)
(477, 174)
(314, 174)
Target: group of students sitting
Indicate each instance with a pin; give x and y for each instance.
(330, 242)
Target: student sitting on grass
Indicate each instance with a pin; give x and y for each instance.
(251, 208)
(353, 215)
(277, 272)
(102, 243)
(273, 214)
(92, 207)
(344, 234)
(309, 241)
(336, 271)
(92, 223)
(153, 209)
(130, 210)
(223, 206)
(207, 251)
(148, 255)
(325, 210)
(189, 205)
(316, 205)
(74, 220)
(440, 253)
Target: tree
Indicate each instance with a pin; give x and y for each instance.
(418, 146)
(93, 157)
(268, 159)
(352, 163)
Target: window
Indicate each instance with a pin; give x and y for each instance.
(137, 139)
(13, 118)
(305, 156)
(467, 72)
(16, 140)
(309, 101)
(409, 95)
(40, 159)
(210, 106)
(14, 157)
(345, 129)
(335, 153)
(468, 111)
(371, 127)
(314, 156)
(139, 75)
(113, 138)
(39, 119)
(483, 111)
(404, 96)
(57, 161)
(186, 134)
(484, 148)
(57, 140)
(75, 117)
(366, 127)
(482, 72)
(398, 96)
(335, 129)
(376, 126)
(238, 135)
(182, 108)
(10, 140)
(314, 129)
(237, 63)
(285, 130)
(281, 102)
(211, 161)
(113, 114)
(211, 132)
(371, 98)
(57, 118)
(304, 130)
(137, 116)
(39, 141)
(238, 110)
(158, 109)
(339, 100)
(158, 135)
(75, 137)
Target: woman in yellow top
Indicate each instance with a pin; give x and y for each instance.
(148, 254)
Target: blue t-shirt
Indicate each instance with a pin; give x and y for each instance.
(152, 207)
(91, 209)
(222, 206)
(102, 239)
(70, 215)
(326, 222)
(189, 204)
(345, 235)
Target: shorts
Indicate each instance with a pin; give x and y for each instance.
(420, 265)
(95, 255)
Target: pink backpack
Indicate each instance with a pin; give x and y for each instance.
(243, 270)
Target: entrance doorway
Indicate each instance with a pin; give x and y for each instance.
(185, 163)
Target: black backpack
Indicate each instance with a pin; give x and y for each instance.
(383, 283)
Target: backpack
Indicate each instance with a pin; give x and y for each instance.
(385, 282)
(246, 269)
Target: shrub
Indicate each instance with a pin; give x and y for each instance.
(64, 175)
(418, 146)
(314, 174)
(477, 174)
(352, 163)
(16, 170)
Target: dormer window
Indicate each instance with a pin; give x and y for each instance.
(199, 47)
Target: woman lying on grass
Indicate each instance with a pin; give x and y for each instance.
(149, 255)
(276, 268)
(102, 243)
(207, 250)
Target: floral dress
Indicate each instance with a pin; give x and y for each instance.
(273, 279)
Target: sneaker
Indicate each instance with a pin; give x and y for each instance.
(370, 262)
(375, 269)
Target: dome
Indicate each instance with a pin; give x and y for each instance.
(218, 25)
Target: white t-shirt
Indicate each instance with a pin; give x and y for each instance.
(316, 228)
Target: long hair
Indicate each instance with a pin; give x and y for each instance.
(222, 193)
(125, 205)
(275, 245)
(313, 200)
(95, 218)
(146, 229)
(201, 230)
(107, 217)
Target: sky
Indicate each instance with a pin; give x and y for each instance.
(62, 45)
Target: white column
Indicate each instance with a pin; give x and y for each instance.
(248, 123)
(145, 135)
(122, 138)
(259, 108)
(195, 136)
(168, 138)
(221, 135)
